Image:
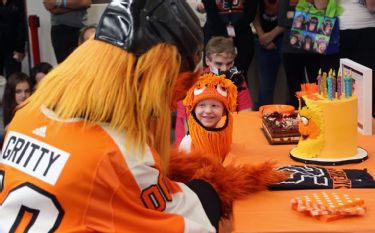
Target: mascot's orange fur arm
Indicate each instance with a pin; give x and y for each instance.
(230, 182)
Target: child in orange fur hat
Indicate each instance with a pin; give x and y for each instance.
(209, 103)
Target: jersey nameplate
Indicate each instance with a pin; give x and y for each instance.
(33, 157)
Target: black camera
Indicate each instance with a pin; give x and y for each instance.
(235, 76)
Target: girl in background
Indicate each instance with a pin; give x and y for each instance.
(17, 90)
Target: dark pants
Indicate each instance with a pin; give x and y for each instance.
(269, 63)
(8, 65)
(64, 41)
(245, 51)
(359, 46)
(295, 65)
(209, 199)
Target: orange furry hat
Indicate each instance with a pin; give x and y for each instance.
(211, 86)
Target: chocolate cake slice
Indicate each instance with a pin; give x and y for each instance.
(281, 128)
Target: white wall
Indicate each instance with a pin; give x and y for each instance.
(46, 51)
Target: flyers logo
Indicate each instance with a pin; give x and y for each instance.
(301, 174)
(225, 5)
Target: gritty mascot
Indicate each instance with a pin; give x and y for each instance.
(89, 150)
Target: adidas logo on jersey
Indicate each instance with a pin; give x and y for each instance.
(41, 131)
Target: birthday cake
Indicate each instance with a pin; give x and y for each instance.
(281, 128)
(328, 125)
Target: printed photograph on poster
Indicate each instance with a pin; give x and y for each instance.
(362, 88)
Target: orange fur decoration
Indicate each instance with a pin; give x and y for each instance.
(309, 90)
(230, 182)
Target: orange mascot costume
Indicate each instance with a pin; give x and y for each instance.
(89, 151)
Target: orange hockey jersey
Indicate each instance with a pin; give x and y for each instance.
(58, 176)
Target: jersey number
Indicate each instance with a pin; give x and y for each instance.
(46, 211)
(157, 195)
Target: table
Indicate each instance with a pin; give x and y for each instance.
(270, 211)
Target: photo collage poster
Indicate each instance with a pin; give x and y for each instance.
(311, 32)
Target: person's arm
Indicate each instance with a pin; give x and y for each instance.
(268, 37)
(285, 16)
(66, 4)
(256, 23)
(57, 11)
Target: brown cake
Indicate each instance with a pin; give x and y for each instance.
(281, 128)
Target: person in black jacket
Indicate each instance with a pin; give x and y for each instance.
(12, 36)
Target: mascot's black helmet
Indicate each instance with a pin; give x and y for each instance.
(137, 25)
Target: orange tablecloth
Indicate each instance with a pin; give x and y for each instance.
(270, 211)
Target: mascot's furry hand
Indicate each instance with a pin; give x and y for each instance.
(230, 182)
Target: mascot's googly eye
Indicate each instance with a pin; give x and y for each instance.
(304, 120)
(198, 91)
(222, 90)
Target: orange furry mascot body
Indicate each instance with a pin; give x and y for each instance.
(94, 153)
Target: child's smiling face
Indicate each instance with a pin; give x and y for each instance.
(209, 112)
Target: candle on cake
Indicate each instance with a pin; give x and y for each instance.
(334, 84)
(319, 78)
(324, 85)
(350, 84)
(346, 84)
(339, 86)
(329, 85)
